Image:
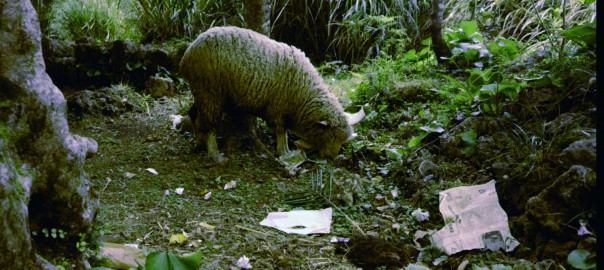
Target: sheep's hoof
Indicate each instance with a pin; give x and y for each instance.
(219, 158)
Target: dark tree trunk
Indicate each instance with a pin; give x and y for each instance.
(441, 50)
(257, 15)
(42, 184)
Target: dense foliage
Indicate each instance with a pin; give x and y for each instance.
(344, 30)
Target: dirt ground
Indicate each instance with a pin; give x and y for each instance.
(142, 161)
(141, 207)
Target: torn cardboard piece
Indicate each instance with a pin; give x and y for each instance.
(292, 160)
(474, 219)
(300, 221)
(120, 256)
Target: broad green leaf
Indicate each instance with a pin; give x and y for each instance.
(543, 81)
(455, 82)
(157, 260)
(414, 141)
(433, 127)
(503, 46)
(385, 19)
(579, 258)
(427, 41)
(584, 34)
(477, 78)
(169, 261)
(488, 91)
(469, 150)
(501, 267)
(469, 27)
(393, 153)
(469, 137)
(425, 51)
(465, 46)
(511, 90)
(411, 55)
(189, 262)
(413, 266)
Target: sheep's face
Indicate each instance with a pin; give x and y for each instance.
(330, 150)
(327, 142)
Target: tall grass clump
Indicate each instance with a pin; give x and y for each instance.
(350, 30)
(370, 27)
(540, 23)
(161, 20)
(98, 19)
(43, 8)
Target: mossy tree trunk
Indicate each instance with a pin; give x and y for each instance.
(42, 183)
(441, 50)
(257, 15)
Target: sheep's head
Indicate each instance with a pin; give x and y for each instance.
(328, 139)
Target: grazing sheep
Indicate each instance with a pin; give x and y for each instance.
(238, 71)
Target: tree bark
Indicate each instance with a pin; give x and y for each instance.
(257, 15)
(441, 50)
(42, 183)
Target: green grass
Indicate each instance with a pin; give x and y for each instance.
(102, 20)
(162, 20)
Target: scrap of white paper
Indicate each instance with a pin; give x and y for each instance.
(474, 219)
(244, 263)
(300, 221)
(176, 119)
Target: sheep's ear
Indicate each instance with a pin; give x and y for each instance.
(323, 123)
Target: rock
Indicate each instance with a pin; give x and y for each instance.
(90, 145)
(105, 64)
(121, 55)
(159, 87)
(155, 57)
(547, 264)
(60, 62)
(54, 49)
(565, 122)
(109, 101)
(176, 56)
(415, 91)
(557, 204)
(581, 152)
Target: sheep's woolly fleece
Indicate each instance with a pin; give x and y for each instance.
(230, 67)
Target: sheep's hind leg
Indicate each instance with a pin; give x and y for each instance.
(209, 137)
(212, 146)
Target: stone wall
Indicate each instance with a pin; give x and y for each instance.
(90, 64)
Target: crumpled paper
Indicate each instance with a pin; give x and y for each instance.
(474, 219)
(300, 221)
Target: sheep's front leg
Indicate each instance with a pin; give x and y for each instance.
(250, 124)
(212, 146)
(282, 147)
